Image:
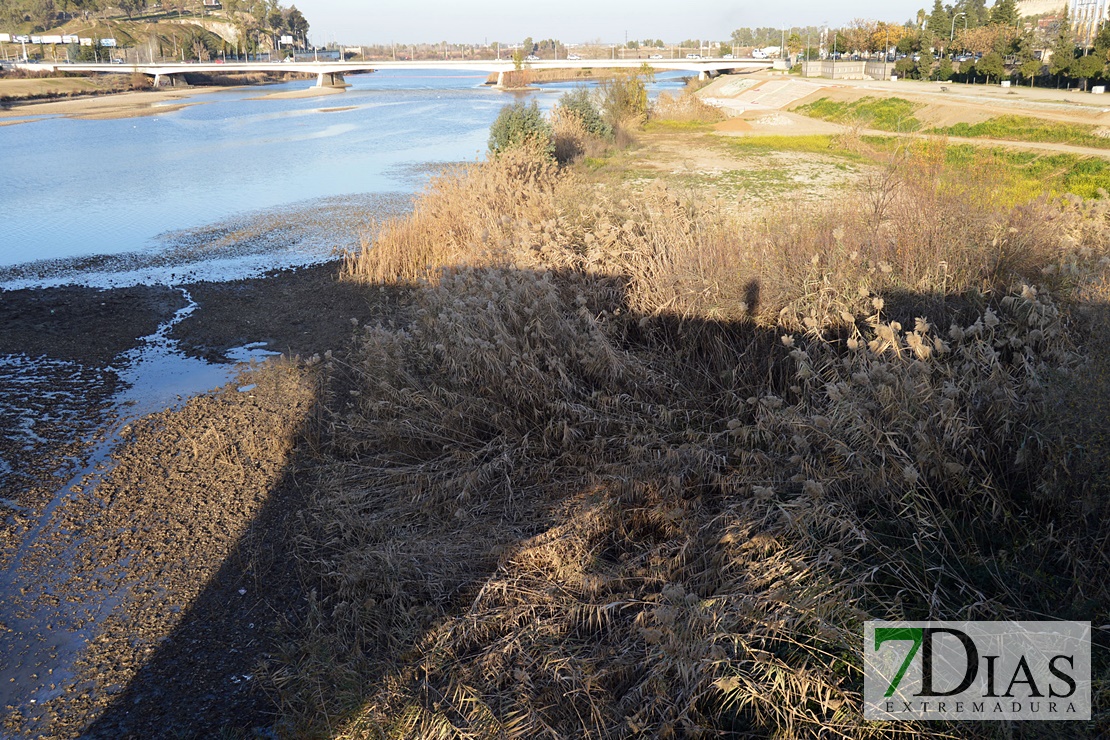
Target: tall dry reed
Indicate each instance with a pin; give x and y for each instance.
(628, 467)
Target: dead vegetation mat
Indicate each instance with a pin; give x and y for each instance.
(625, 465)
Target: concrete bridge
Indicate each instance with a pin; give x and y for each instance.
(330, 74)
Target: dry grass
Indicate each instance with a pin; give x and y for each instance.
(686, 107)
(629, 467)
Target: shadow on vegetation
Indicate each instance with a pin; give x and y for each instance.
(575, 486)
(521, 507)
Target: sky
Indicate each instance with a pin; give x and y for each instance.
(574, 21)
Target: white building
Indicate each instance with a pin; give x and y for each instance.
(1086, 15)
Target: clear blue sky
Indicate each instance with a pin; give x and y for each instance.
(573, 21)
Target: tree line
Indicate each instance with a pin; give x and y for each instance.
(970, 42)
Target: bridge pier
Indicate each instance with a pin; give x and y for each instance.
(330, 79)
(169, 80)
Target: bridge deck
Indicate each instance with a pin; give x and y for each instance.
(318, 68)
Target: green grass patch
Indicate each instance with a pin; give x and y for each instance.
(1019, 176)
(595, 163)
(814, 143)
(885, 114)
(1024, 128)
(1024, 176)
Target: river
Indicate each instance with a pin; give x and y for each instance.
(80, 195)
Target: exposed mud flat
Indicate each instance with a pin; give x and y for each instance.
(144, 563)
(173, 583)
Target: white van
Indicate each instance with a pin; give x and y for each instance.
(759, 54)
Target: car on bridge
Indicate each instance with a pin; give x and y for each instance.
(656, 56)
(573, 57)
(693, 56)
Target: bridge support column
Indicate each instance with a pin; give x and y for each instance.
(500, 79)
(330, 79)
(703, 75)
(169, 80)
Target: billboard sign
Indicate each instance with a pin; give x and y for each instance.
(52, 39)
(286, 39)
(107, 42)
(5, 37)
(977, 671)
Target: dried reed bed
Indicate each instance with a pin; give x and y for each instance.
(685, 107)
(528, 76)
(627, 467)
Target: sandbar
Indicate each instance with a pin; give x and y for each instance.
(116, 105)
(310, 92)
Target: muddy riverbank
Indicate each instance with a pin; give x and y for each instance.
(146, 572)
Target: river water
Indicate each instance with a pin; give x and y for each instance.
(80, 193)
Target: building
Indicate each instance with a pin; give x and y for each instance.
(1086, 15)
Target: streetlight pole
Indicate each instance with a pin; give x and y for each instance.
(952, 33)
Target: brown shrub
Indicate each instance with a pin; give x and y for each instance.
(572, 140)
